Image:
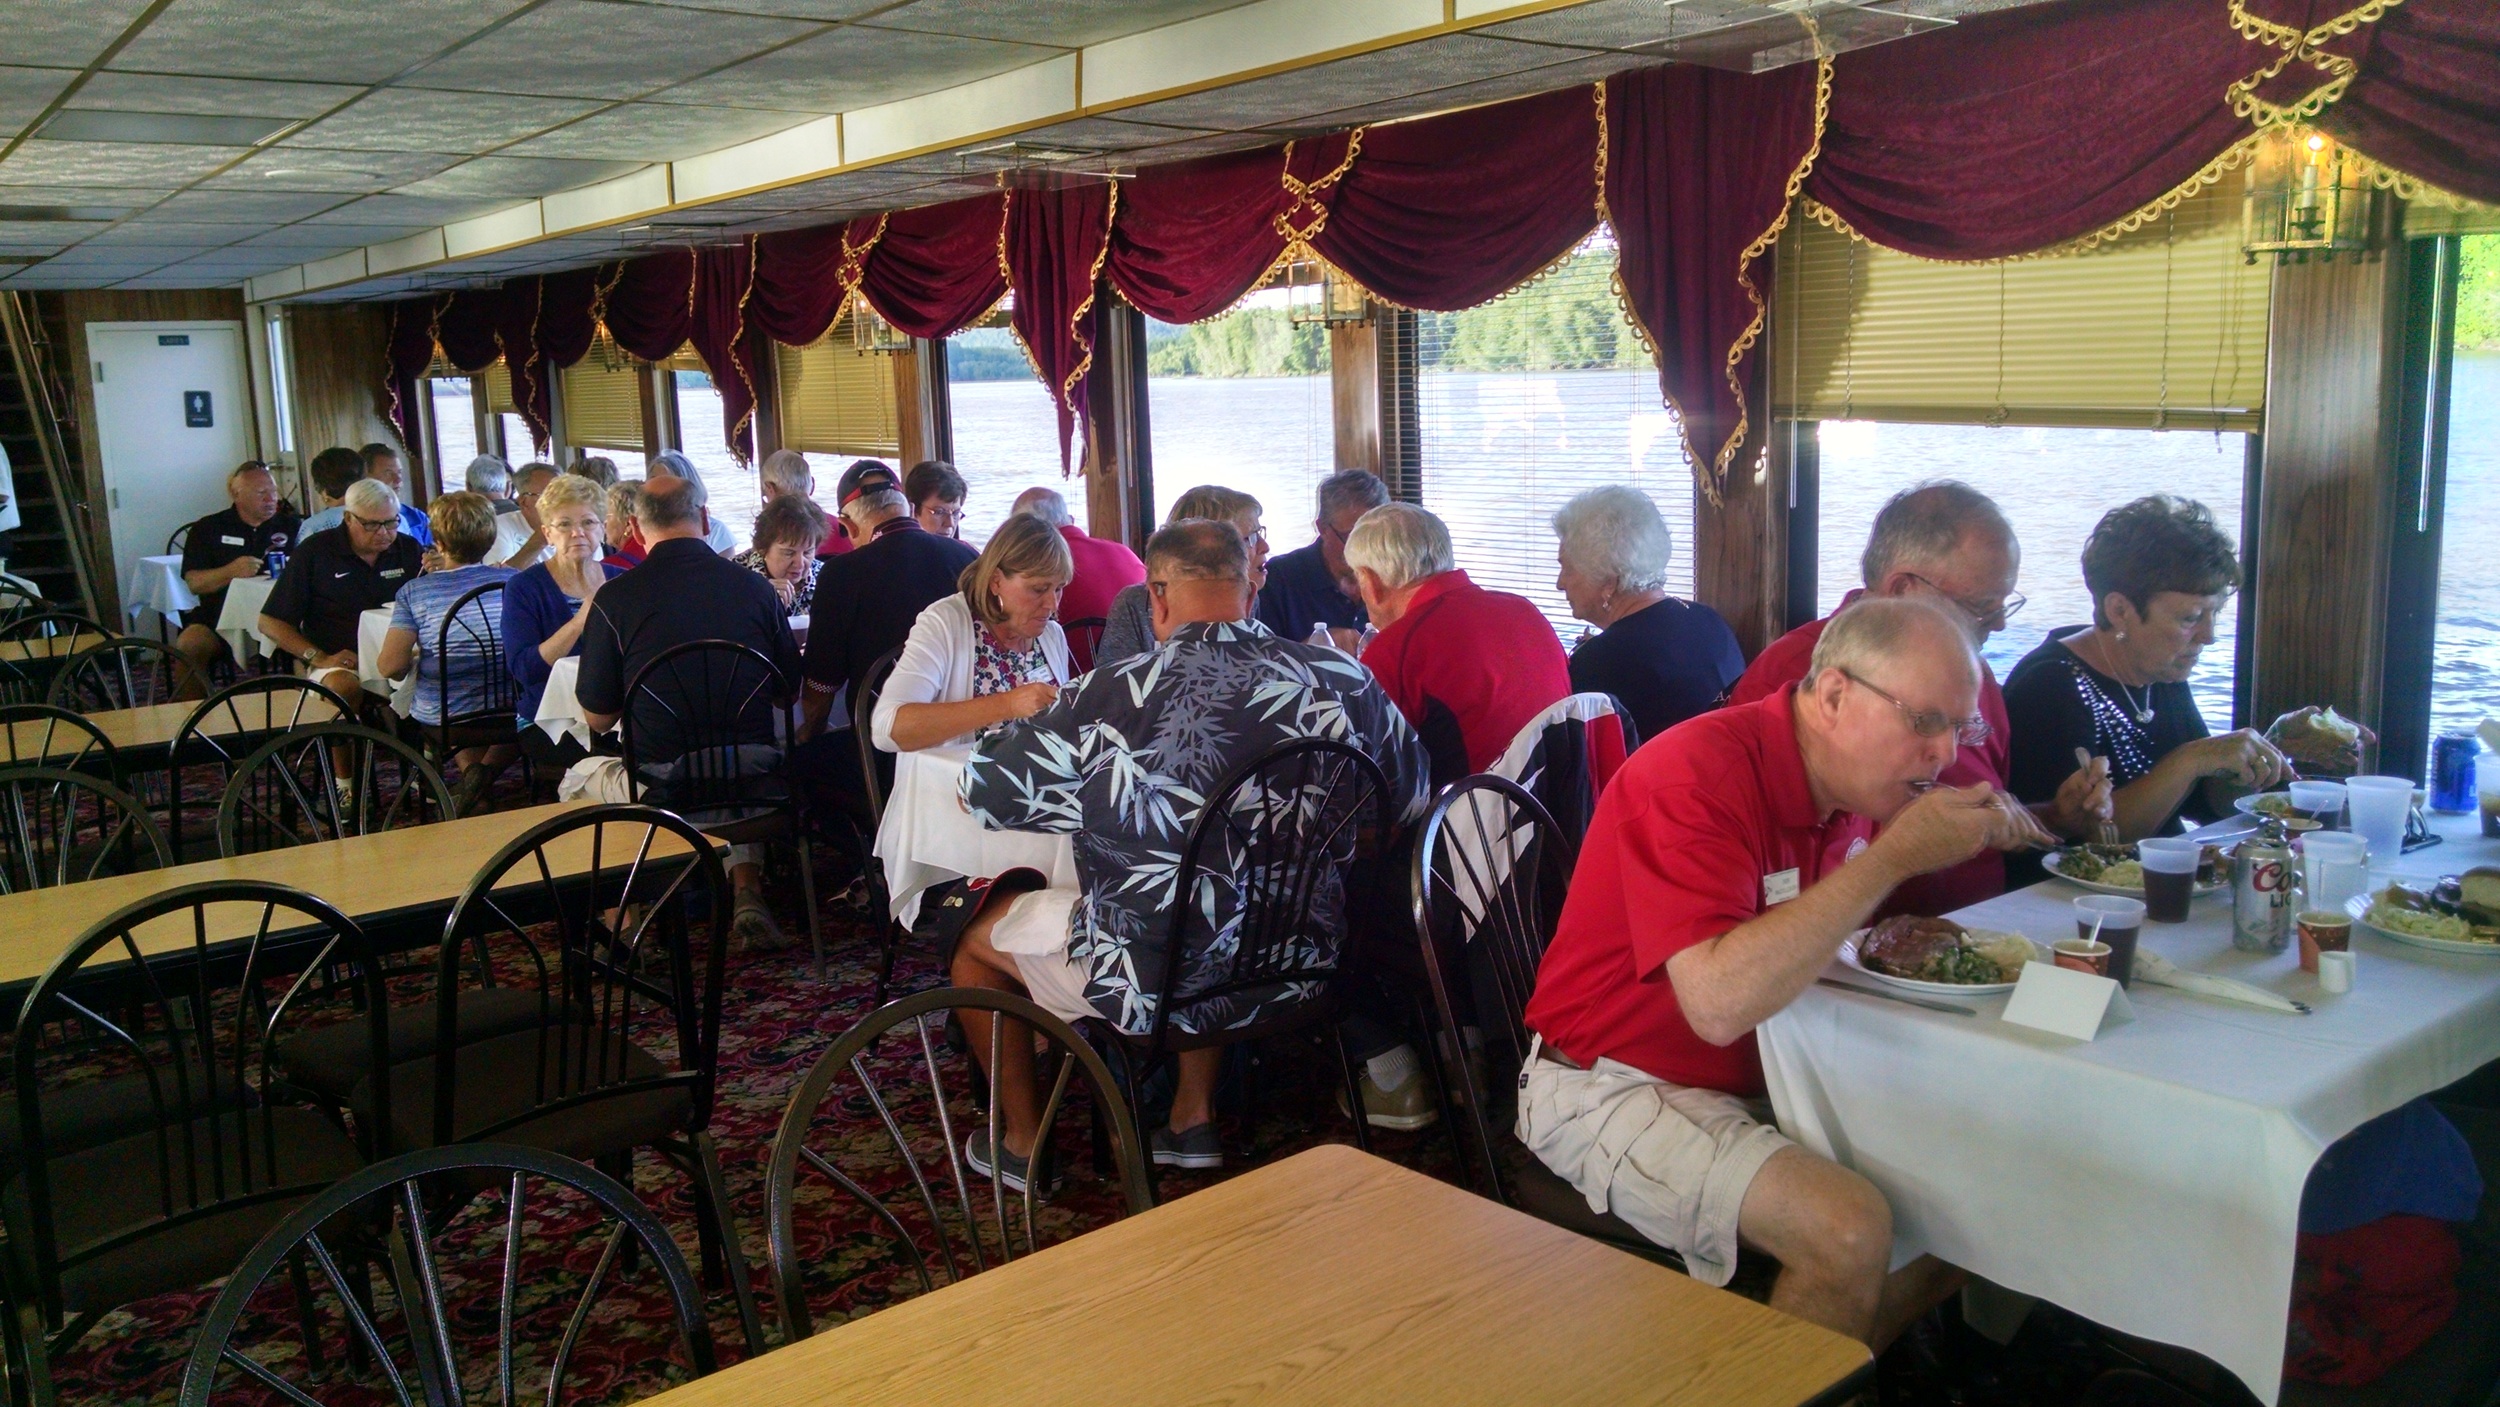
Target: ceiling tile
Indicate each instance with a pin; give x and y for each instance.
(1606, 24)
(852, 67)
(517, 177)
(1587, 68)
(227, 265)
(325, 40)
(657, 132)
(54, 232)
(23, 93)
(70, 35)
(1389, 73)
(135, 259)
(406, 210)
(126, 197)
(314, 169)
(149, 231)
(790, 9)
(219, 97)
(416, 119)
(314, 241)
(1067, 23)
(39, 162)
(586, 48)
(244, 207)
(1104, 134)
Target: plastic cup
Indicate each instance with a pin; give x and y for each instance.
(2322, 931)
(2319, 801)
(2169, 877)
(2379, 806)
(2335, 865)
(2082, 955)
(2335, 970)
(2120, 921)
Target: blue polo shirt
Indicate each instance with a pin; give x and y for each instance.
(1300, 593)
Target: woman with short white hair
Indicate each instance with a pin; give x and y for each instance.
(1662, 657)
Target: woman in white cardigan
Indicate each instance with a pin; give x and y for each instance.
(986, 655)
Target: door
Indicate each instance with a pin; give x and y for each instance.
(173, 418)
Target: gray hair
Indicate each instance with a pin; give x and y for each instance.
(1614, 534)
(597, 468)
(1401, 544)
(371, 498)
(1874, 629)
(874, 505)
(788, 470)
(489, 476)
(1047, 504)
(1351, 488)
(675, 463)
(1198, 549)
(1215, 503)
(1923, 524)
(670, 501)
(540, 473)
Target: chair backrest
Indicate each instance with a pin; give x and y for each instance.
(19, 685)
(1566, 755)
(898, 1062)
(228, 725)
(15, 601)
(39, 735)
(51, 625)
(484, 1279)
(1490, 870)
(1280, 834)
(469, 647)
(1084, 637)
(599, 986)
(286, 793)
(127, 671)
(876, 766)
(190, 989)
(178, 539)
(701, 725)
(59, 827)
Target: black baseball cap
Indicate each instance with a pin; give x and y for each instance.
(864, 476)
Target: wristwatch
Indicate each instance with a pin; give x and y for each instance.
(311, 653)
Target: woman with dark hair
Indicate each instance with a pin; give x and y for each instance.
(787, 534)
(2159, 571)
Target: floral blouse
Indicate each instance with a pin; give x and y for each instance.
(801, 599)
(996, 669)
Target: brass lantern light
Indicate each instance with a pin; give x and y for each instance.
(1317, 296)
(871, 334)
(2306, 197)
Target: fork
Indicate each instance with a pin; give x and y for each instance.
(2109, 829)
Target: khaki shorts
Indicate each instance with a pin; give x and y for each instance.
(1672, 1161)
(1034, 934)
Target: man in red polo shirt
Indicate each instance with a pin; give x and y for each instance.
(1468, 667)
(1722, 870)
(1103, 567)
(1949, 542)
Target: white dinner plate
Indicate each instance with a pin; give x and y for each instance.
(2359, 905)
(2247, 805)
(2049, 862)
(1849, 956)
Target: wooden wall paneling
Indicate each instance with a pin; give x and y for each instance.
(2335, 354)
(335, 351)
(764, 432)
(936, 398)
(1119, 438)
(1354, 391)
(1740, 548)
(911, 408)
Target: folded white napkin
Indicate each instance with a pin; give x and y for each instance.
(2162, 972)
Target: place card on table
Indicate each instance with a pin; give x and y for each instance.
(2064, 1002)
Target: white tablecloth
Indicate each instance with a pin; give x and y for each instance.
(559, 712)
(239, 619)
(927, 837)
(371, 626)
(2149, 1180)
(156, 585)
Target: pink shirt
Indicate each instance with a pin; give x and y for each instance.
(1103, 567)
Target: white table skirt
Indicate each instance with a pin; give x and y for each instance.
(928, 838)
(371, 626)
(156, 584)
(239, 619)
(559, 712)
(2149, 1180)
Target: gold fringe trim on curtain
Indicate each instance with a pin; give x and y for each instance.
(1076, 321)
(737, 346)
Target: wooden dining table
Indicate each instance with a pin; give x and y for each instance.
(401, 877)
(49, 647)
(1328, 1277)
(143, 737)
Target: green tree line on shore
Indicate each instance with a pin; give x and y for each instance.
(2478, 293)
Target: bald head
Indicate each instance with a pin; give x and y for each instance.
(1893, 681)
(670, 507)
(1947, 540)
(1046, 504)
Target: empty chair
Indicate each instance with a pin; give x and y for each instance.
(15, 602)
(59, 827)
(876, 774)
(1566, 755)
(1084, 636)
(226, 727)
(899, 1062)
(37, 627)
(39, 735)
(128, 671)
(18, 685)
(327, 782)
(445, 1282)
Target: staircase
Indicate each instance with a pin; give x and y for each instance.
(50, 545)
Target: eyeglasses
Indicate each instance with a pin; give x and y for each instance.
(1929, 723)
(944, 513)
(377, 525)
(1984, 612)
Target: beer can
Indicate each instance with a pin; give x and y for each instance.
(2261, 892)
(2452, 772)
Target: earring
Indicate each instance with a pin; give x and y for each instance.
(2122, 635)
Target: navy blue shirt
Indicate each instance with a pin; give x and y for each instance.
(867, 599)
(1300, 593)
(1665, 662)
(535, 607)
(682, 591)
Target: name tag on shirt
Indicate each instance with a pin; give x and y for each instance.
(231, 540)
(390, 572)
(1779, 888)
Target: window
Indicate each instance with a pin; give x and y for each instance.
(2054, 484)
(455, 427)
(1006, 432)
(1243, 400)
(1530, 399)
(2465, 675)
(602, 400)
(731, 489)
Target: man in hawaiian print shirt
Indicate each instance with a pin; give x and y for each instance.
(1122, 763)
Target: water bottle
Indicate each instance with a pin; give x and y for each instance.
(1319, 635)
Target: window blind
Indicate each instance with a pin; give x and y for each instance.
(2164, 328)
(499, 390)
(835, 400)
(602, 396)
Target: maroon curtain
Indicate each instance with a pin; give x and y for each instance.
(2427, 98)
(516, 330)
(411, 351)
(465, 324)
(935, 270)
(1191, 239)
(1057, 239)
(802, 278)
(719, 331)
(1697, 177)
(567, 304)
(649, 304)
(1447, 213)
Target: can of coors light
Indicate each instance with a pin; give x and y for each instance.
(2261, 891)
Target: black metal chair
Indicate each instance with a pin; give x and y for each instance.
(39, 735)
(630, 954)
(286, 792)
(469, 647)
(1582, 739)
(160, 1175)
(127, 671)
(37, 626)
(175, 542)
(228, 725)
(933, 1209)
(693, 717)
(18, 685)
(876, 778)
(59, 827)
(441, 1279)
(15, 602)
(1282, 830)
(1084, 636)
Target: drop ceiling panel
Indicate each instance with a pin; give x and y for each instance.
(1066, 23)
(657, 132)
(24, 91)
(39, 162)
(346, 172)
(788, 9)
(214, 97)
(328, 239)
(516, 177)
(148, 231)
(1367, 78)
(854, 67)
(1588, 68)
(350, 41)
(70, 33)
(52, 232)
(587, 48)
(243, 207)
(415, 119)
(405, 210)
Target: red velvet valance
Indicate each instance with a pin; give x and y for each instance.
(2008, 134)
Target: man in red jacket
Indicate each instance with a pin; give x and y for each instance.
(1102, 569)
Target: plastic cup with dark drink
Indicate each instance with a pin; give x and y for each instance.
(2169, 877)
(2322, 802)
(2119, 921)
